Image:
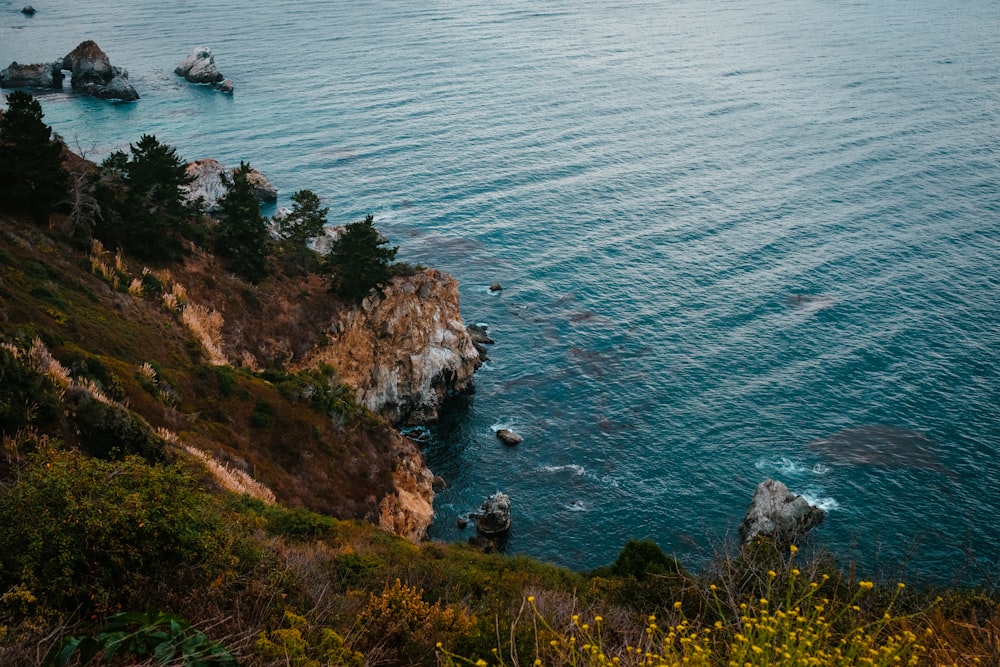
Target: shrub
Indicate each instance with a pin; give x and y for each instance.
(167, 638)
(401, 622)
(101, 533)
(111, 431)
(303, 645)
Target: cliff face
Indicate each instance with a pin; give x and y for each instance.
(405, 352)
(409, 509)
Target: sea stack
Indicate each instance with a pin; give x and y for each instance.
(94, 75)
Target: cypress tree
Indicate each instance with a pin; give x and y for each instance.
(32, 179)
(242, 237)
(359, 261)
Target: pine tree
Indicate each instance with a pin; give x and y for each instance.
(32, 179)
(359, 261)
(242, 237)
(304, 223)
(148, 212)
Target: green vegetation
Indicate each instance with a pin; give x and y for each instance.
(161, 505)
(297, 229)
(32, 179)
(242, 237)
(143, 203)
(360, 261)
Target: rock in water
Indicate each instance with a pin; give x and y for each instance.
(778, 513)
(94, 75)
(508, 437)
(28, 10)
(494, 515)
(41, 75)
(199, 67)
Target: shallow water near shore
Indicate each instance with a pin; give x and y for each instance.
(726, 231)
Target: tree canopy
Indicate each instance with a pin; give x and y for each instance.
(296, 229)
(242, 237)
(146, 210)
(360, 261)
(32, 179)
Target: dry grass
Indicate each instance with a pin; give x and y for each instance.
(229, 478)
(206, 325)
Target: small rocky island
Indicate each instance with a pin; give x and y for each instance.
(199, 67)
(91, 74)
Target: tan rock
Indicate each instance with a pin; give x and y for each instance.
(405, 352)
(409, 510)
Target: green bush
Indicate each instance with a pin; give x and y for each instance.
(97, 535)
(111, 431)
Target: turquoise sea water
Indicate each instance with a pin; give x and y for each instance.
(725, 230)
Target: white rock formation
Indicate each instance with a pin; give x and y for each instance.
(199, 67)
(778, 513)
(207, 184)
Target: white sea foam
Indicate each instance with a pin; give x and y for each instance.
(571, 467)
(825, 503)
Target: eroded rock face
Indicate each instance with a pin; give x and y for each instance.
(778, 513)
(207, 184)
(405, 352)
(40, 75)
(94, 75)
(409, 510)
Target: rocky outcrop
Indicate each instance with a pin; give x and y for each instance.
(207, 183)
(778, 513)
(94, 75)
(403, 352)
(508, 437)
(42, 75)
(409, 510)
(480, 338)
(199, 67)
(493, 517)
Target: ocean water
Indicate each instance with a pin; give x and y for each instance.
(726, 230)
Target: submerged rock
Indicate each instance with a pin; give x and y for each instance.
(403, 352)
(494, 516)
(39, 75)
(93, 74)
(778, 513)
(28, 10)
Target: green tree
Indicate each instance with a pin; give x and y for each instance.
(360, 261)
(242, 237)
(304, 223)
(149, 213)
(32, 179)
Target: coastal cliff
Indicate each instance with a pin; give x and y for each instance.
(400, 354)
(404, 352)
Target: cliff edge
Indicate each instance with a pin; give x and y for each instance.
(404, 352)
